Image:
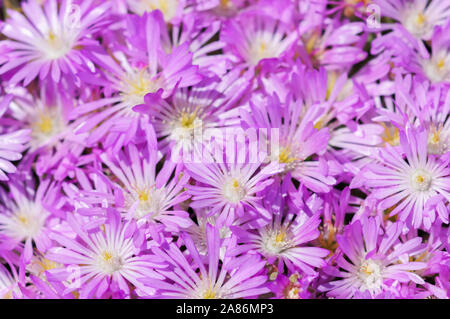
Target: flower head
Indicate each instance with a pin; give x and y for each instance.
(50, 44)
(371, 261)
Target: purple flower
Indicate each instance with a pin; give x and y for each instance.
(138, 67)
(49, 41)
(256, 37)
(224, 149)
(12, 144)
(284, 238)
(104, 261)
(228, 186)
(195, 277)
(416, 16)
(409, 184)
(296, 142)
(26, 217)
(371, 260)
(184, 122)
(148, 194)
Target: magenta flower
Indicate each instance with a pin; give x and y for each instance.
(182, 123)
(284, 239)
(49, 41)
(229, 188)
(256, 37)
(292, 287)
(436, 66)
(410, 186)
(105, 261)
(26, 217)
(417, 16)
(298, 140)
(372, 262)
(12, 144)
(337, 48)
(262, 149)
(45, 116)
(420, 105)
(139, 67)
(195, 278)
(148, 194)
(171, 9)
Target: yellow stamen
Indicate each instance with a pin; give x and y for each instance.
(140, 86)
(332, 77)
(420, 257)
(420, 179)
(51, 36)
(107, 256)
(162, 5)
(441, 64)
(285, 156)
(143, 195)
(45, 124)
(225, 3)
(187, 120)
(388, 137)
(209, 294)
(23, 219)
(319, 124)
(420, 19)
(281, 236)
(47, 264)
(262, 47)
(367, 269)
(311, 42)
(436, 138)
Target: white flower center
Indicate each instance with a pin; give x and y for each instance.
(184, 126)
(417, 23)
(437, 69)
(275, 241)
(109, 262)
(167, 7)
(56, 46)
(234, 191)
(149, 201)
(26, 223)
(370, 273)
(437, 142)
(421, 180)
(46, 125)
(207, 290)
(262, 48)
(198, 234)
(30, 227)
(136, 85)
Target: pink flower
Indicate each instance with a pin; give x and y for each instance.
(195, 277)
(409, 185)
(51, 44)
(373, 260)
(102, 262)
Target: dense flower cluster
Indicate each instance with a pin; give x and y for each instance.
(225, 149)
